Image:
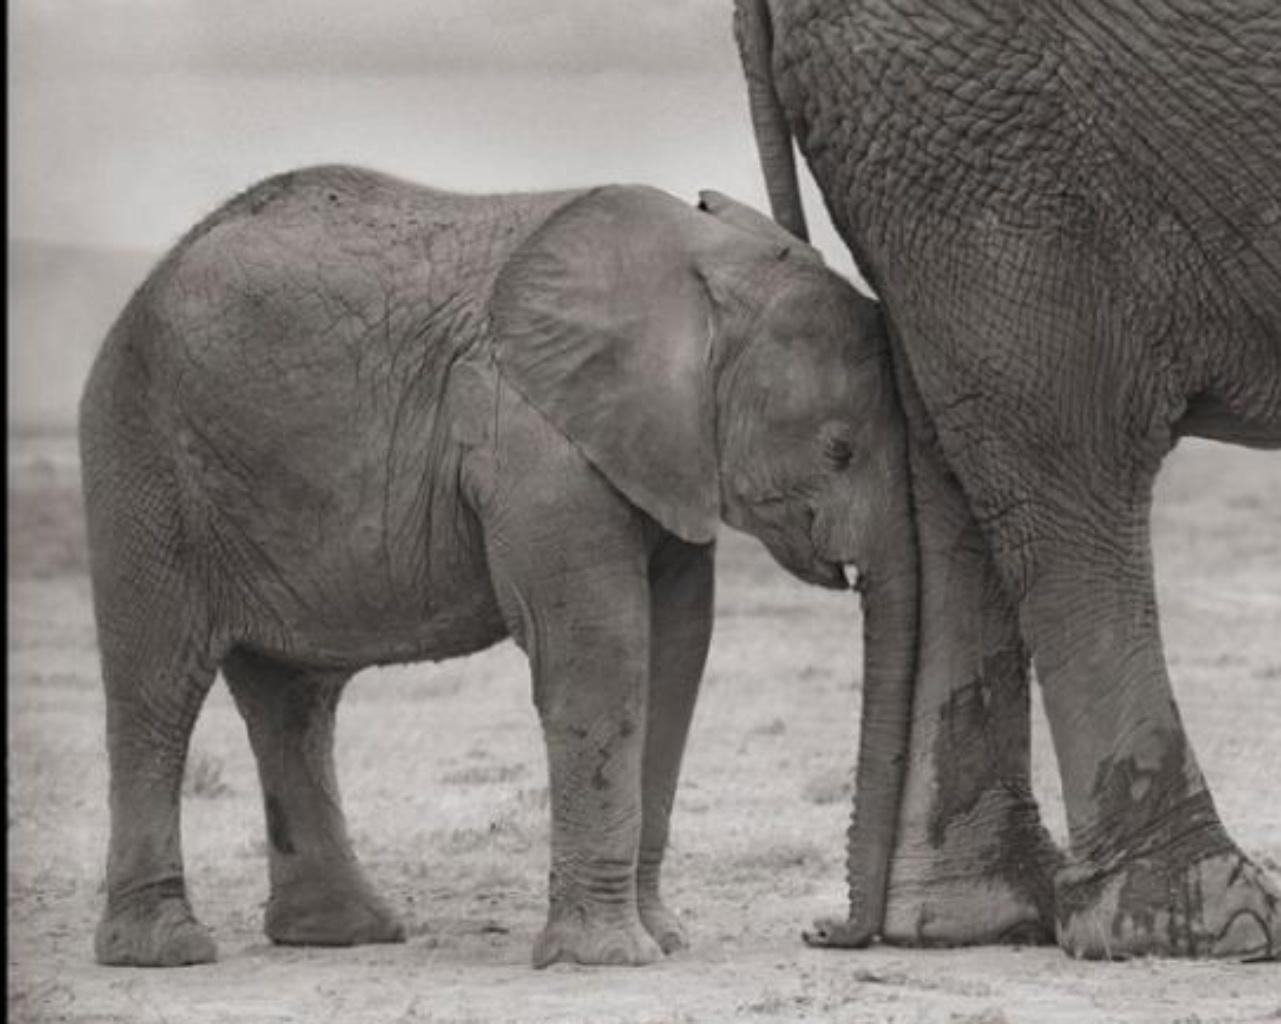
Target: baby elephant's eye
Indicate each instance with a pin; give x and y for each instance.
(838, 446)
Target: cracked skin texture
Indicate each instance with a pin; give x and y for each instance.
(1072, 216)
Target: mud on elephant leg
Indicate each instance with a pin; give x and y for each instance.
(1152, 871)
(319, 894)
(973, 863)
(681, 591)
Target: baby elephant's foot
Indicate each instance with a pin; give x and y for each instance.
(335, 915)
(663, 925)
(581, 938)
(1219, 906)
(154, 933)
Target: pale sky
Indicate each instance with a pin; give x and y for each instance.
(376, 36)
(131, 119)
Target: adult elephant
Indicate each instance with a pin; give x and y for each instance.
(1072, 213)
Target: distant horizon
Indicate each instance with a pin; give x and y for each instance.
(60, 243)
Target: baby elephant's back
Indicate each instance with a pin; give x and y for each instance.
(328, 286)
(292, 352)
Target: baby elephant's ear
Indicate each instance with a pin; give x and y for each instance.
(740, 215)
(602, 324)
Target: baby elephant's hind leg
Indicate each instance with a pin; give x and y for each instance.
(319, 894)
(156, 682)
(158, 663)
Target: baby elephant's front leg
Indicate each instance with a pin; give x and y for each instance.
(570, 568)
(590, 684)
(681, 591)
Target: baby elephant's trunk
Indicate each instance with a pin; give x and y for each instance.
(890, 610)
(889, 586)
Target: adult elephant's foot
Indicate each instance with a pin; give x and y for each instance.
(663, 925)
(988, 883)
(153, 932)
(1008, 906)
(983, 876)
(1218, 905)
(337, 914)
(582, 937)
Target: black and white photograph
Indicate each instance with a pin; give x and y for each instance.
(667, 512)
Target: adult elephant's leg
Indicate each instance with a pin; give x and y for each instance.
(1055, 431)
(319, 894)
(681, 592)
(972, 862)
(1055, 435)
(1152, 870)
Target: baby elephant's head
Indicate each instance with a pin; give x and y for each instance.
(810, 435)
(710, 366)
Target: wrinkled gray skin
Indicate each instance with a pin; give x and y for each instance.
(351, 421)
(1072, 213)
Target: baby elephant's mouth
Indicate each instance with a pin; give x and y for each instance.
(832, 575)
(807, 563)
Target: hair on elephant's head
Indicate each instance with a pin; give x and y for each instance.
(709, 365)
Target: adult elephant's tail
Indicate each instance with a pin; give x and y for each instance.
(890, 605)
(755, 35)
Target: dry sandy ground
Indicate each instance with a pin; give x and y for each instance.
(445, 787)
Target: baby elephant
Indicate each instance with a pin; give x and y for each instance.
(350, 421)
